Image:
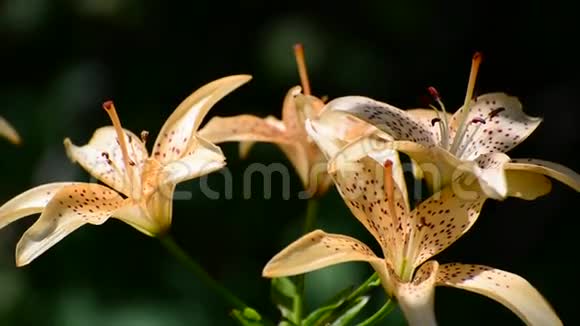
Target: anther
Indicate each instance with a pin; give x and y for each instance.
(478, 120)
(434, 93)
(144, 135)
(495, 112)
(434, 121)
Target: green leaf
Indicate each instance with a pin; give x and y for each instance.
(284, 294)
(324, 311)
(351, 312)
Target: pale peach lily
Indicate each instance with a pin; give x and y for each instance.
(376, 195)
(8, 132)
(288, 133)
(140, 186)
(474, 140)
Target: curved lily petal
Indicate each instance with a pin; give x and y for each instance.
(102, 158)
(70, 208)
(317, 250)
(417, 298)
(496, 123)
(550, 169)
(8, 132)
(29, 202)
(293, 118)
(361, 183)
(178, 131)
(509, 289)
(442, 219)
(489, 170)
(393, 121)
(244, 127)
(526, 185)
(201, 160)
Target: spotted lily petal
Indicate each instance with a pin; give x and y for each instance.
(393, 121)
(177, 133)
(502, 125)
(8, 132)
(317, 250)
(70, 208)
(417, 298)
(509, 289)
(203, 159)
(442, 219)
(360, 182)
(29, 202)
(430, 119)
(244, 127)
(102, 158)
(489, 170)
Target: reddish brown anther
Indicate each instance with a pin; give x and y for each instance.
(434, 93)
(478, 120)
(107, 105)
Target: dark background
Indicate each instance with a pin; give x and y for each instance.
(59, 60)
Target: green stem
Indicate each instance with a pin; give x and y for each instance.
(380, 314)
(363, 287)
(178, 252)
(309, 223)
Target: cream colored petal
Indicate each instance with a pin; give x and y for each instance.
(298, 156)
(177, 133)
(102, 158)
(203, 159)
(360, 182)
(393, 121)
(553, 170)
(292, 118)
(417, 298)
(505, 125)
(70, 208)
(324, 136)
(428, 118)
(442, 219)
(244, 127)
(526, 185)
(509, 289)
(29, 202)
(152, 217)
(489, 169)
(317, 250)
(8, 132)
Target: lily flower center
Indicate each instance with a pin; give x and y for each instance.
(444, 127)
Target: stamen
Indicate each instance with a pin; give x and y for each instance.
(495, 112)
(478, 120)
(301, 62)
(110, 109)
(434, 93)
(475, 62)
(389, 185)
(434, 121)
(144, 135)
(443, 127)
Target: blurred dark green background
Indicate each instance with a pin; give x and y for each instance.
(60, 60)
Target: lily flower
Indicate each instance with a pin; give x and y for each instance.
(376, 196)
(288, 133)
(139, 187)
(8, 132)
(474, 140)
